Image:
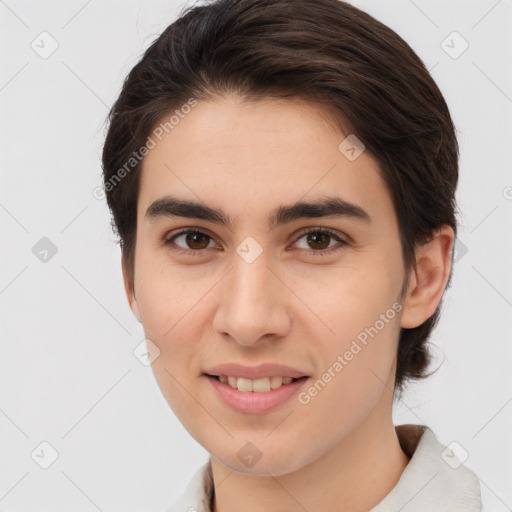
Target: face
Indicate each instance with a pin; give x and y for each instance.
(317, 290)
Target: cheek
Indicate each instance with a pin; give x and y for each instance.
(367, 340)
(358, 349)
(168, 295)
(345, 300)
(353, 380)
(170, 309)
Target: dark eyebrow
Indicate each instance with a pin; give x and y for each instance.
(336, 207)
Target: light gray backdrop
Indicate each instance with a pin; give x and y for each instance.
(68, 376)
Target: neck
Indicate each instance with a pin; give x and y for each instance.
(354, 475)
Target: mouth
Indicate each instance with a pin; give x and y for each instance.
(255, 396)
(261, 385)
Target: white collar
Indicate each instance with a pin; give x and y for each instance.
(427, 484)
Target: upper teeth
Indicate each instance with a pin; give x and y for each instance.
(257, 385)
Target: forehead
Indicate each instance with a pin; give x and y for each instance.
(249, 156)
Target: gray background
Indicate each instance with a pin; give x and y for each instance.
(68, 375)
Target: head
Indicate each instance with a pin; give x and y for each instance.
(237, 112)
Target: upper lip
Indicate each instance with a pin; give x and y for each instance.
(255, 372)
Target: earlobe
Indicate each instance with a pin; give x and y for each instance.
(130, 291)
(428, 280)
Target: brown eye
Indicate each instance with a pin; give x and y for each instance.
(190, 240)
(321, 241)
(197, 240)
(318, 240)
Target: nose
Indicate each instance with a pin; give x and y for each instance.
(253, 305)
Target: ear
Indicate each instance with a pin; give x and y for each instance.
(428, 281)
(130, 292)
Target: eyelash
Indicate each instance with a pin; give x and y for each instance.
(321, 252)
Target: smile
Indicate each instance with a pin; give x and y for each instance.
(255, 396)
(261, 385)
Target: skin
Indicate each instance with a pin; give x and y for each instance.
(340, 451)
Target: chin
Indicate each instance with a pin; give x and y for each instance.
(274, 463)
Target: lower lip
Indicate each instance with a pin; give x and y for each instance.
(251, 402)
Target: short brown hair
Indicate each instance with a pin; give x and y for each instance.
(322, 50)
